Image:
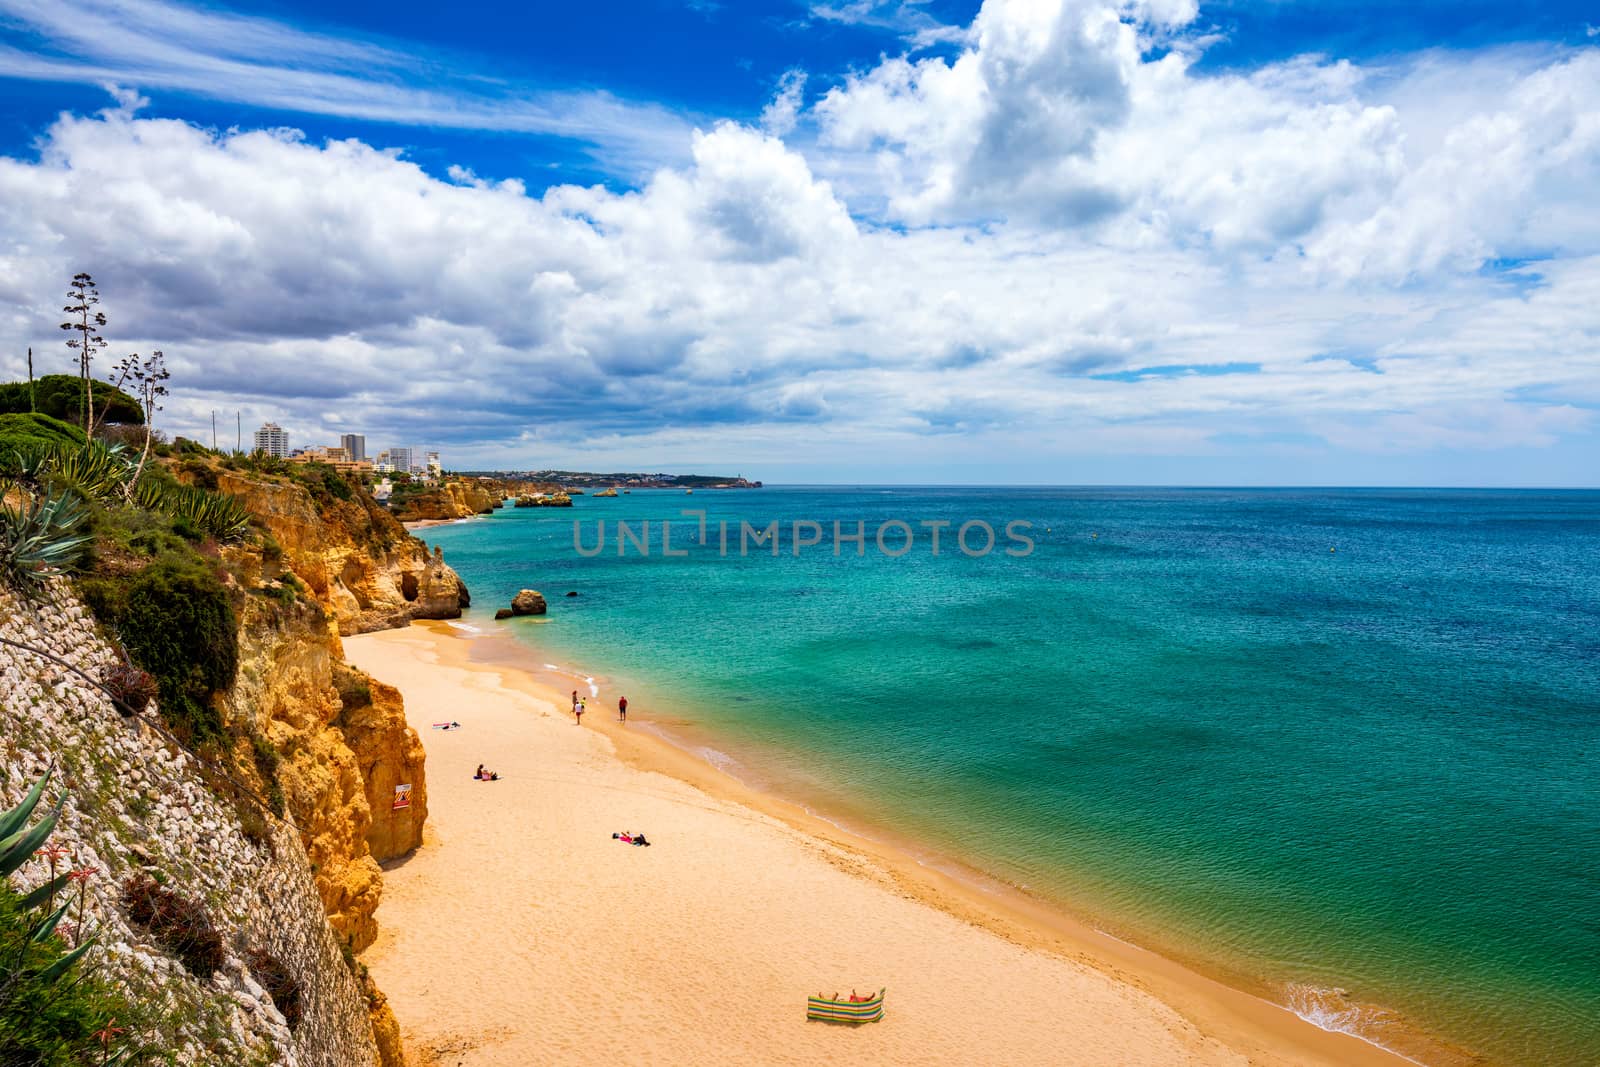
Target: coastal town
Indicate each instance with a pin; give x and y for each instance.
(414, 484)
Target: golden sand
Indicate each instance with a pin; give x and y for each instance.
(521, 933)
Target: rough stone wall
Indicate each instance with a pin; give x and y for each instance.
(137, 803)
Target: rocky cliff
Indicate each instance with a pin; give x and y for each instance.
(138, 806)
(452, 500)
(358, 561)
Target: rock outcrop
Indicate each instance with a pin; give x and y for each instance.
(528, 602)
(544, 500)
(452, 500)
(136, 804)
(356, 558)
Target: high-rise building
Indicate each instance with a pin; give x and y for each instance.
(400, 459)
(273, 440)
(354, 445)
(435, 469)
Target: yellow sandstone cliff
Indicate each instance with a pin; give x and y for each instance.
(452, 500)
(355, 557)
(338, 741)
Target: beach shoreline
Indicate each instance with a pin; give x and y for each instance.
(428, 657)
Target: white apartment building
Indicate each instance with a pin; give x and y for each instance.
(273, 440)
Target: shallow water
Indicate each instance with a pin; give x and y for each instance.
(1317, 738)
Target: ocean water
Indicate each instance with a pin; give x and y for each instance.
(1316, 739)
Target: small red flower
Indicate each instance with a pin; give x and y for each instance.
(109, 1033)
(82, 874)
(54, 852)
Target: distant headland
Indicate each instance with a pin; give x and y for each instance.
(587, 480)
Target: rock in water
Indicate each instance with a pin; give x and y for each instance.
(503, 613)
(528, 602)
(572, 594)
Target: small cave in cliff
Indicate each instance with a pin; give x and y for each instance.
(354, 579)
(408, 586)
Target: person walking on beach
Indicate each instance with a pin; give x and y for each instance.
(577, 709)
(622, 708)
(574, 701)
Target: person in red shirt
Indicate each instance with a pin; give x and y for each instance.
(622, 708)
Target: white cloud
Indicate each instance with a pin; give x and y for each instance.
(1060, 245)
(907, 19)
(1055, 115)
(157, 44)
(783, 111)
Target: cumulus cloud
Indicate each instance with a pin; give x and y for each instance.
(1053, 242)
(1058, 114)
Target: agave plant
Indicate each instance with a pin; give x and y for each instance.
(18, 843)
(96, 470)
(41, 539)
(221, 516)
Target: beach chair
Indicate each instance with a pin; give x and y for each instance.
(869, 1010)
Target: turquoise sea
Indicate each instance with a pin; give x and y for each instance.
(1314, 739)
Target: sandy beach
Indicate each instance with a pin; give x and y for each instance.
(522, 933)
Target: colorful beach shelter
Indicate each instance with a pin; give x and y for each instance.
(868, 1010)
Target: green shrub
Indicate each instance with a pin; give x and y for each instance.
(176, 622)
(201, 473)
(20, 432)
(266, 761)
(61, 396)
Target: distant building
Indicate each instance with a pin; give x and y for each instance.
(435, 470)
(400, 459)
(272, 440)
(354, 445)
(336, 458)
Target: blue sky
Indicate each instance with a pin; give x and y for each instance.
(1023, 241)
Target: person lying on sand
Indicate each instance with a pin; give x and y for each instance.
(486, 776)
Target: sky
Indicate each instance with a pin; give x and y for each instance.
(851, 241)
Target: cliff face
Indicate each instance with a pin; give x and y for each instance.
(137, 805)
(356, 558)
(452, 500)
(285, 694)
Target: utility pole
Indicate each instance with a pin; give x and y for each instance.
(238, 430)
(32, 409)
(213, 429)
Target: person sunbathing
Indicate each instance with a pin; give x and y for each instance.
(486, 776)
